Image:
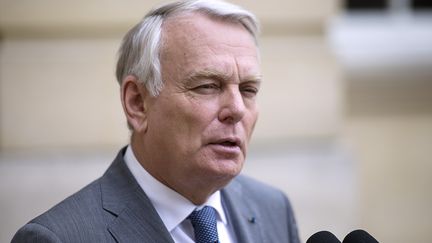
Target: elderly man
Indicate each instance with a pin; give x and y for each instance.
(189, 75)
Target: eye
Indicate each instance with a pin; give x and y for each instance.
(208, 88)
(249, 91)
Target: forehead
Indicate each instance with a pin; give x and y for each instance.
(194, 21)
(195, 40)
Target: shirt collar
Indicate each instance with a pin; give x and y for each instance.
(172, 207)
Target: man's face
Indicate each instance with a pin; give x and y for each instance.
(200, 124)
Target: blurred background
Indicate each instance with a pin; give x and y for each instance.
(346, 108)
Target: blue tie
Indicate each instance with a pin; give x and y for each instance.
(204, 224)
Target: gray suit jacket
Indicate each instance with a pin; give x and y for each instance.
(115, 209)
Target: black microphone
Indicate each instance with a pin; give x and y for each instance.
(323, 237)
(359, 236)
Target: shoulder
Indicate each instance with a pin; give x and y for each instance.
(78, 206)
(259, 195)
(75, 216)
(270, 203)
(33, 232)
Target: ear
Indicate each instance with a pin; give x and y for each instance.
(133, 96)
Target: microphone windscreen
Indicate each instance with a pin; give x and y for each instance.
(323, 237)
(359, 236)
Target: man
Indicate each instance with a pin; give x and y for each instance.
(189, 75)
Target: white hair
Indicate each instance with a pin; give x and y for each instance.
(140, 50)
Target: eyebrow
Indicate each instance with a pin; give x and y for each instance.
(220, 76)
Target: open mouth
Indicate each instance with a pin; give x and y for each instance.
(229, 142)
(227, 147)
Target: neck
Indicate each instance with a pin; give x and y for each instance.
(197, 189)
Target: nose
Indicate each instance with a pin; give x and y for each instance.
(232, 106)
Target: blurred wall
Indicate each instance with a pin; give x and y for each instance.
(60, 103)
(387, 61)
(58, 59)
(369, 170)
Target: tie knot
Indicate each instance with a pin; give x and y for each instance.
(204, 224)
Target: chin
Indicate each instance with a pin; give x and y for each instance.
(220, 166)
(227, 169)
(217, 174)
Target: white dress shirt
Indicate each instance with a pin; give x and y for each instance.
(173, 208)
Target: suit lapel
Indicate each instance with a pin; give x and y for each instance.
(243, 217)
(137, 219)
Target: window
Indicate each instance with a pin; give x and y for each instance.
(421, 4)
(353, 5)
(387, 5)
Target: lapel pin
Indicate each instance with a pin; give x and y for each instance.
(251, 220)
